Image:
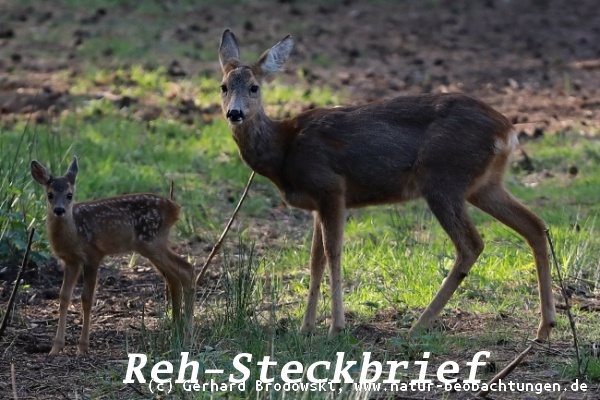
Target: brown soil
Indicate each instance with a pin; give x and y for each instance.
(537, 61)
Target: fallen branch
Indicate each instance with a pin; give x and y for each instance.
(227, 227)
(13, 381)
(507, 370)
(586, 64)
(13, 295)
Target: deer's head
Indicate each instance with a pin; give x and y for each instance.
(59, 190)
(240, 89)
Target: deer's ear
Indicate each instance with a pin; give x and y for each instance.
(72, 171)
(39, 173)
(229, 52)
(272, 60)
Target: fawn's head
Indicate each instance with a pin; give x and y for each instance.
(59, 190)
(240, 88)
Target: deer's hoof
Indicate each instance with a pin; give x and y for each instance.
(334, 331)
(82, 349)
(57, 347)
(55, 351)
(307, 329)
(543, 333)
(418, 330)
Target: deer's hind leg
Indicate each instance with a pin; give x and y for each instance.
(187, 281)
(449, 209)
(332, 213)
(179, 275)
(500, 204)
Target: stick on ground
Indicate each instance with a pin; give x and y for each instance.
(13, 295)
(13, 381)
(507, 370)
(563, 291)
(220, 241)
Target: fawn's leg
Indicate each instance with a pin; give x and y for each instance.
(496, 201)
(317, 267)
(449, 209)
(176, 291)
(159, 255)
(66, 291)
(90, 274)
(166, 292)
(187, 281)
(332, 212)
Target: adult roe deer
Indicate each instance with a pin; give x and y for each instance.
(82, 234)
(447, 148)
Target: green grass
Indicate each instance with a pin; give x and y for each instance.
(394, 259)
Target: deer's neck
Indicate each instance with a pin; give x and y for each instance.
(62, 232)
(262, 143)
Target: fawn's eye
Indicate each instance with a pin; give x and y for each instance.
(50, 196)
(223, 88)
(254, 89)
(69, 196)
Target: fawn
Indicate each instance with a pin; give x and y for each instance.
(82, 234)
(446, 148)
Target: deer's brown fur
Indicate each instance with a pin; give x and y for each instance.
(446, 148)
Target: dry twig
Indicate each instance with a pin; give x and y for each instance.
(220, 241)
(13, 295)
(13, 381)
(510, 367)
(507, 370)
(563, 291)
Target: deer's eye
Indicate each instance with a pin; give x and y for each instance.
(223, 88)
(254, 89)
(50, 195)
(69, 196)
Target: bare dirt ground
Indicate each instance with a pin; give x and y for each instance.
(536, 61)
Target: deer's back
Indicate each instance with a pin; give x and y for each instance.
(124, 223)
(407, 120)
(380, 152)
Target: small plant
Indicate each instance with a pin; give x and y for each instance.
(241, 285)
(19, 207)
(590, 371)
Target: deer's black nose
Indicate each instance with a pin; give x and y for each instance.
(235, 115)
(59, 211)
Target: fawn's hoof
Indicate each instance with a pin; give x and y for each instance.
(334, 331)
(307, 329)
(56, 348)
(82, 349)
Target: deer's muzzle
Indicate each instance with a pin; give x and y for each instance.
(235, 116)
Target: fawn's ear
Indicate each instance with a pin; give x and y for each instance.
(272, 60)
(229, 52)
(39, 173)
(72, 171)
